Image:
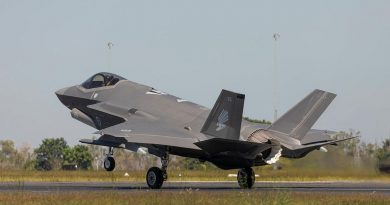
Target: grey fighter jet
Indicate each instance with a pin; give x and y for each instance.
(134, 116)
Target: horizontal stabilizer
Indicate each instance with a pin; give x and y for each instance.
(303, 150)
(217, 145)
(316, 136)
(332, 142)
(224, 120)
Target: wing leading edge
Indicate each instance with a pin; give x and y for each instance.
(155, 133)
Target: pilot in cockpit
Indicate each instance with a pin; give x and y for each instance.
(102, 80)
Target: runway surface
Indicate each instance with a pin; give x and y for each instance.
(339, 187)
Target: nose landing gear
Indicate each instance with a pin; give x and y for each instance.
(109, 161)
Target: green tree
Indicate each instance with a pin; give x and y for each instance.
(50, 154)
(258, 121)
(384, 152)
(383, 156)
(7, 154)
(195, 164)
(12, 158)
(78, 155)
(7, 150)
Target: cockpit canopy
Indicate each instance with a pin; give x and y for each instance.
(102, 80)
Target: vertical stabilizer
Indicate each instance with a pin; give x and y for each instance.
(224, 120)
(298, 120)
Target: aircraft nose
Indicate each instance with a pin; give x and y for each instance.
(62, 97)
(61, 91)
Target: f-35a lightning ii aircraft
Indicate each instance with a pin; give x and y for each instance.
(131, 116)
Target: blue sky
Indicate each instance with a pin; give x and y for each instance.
(193, 49)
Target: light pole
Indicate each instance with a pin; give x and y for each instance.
(276, 36)
(110, 45)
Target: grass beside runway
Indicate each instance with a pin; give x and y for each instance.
(186, 197)
(188, 175)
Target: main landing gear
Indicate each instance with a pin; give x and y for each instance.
(109, 161)
(246, 178)
(156, 176)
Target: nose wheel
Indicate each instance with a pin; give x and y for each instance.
(109, 161)
(246, 178)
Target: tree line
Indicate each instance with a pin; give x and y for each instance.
(56, 154)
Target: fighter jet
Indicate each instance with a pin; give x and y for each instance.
(133, 116)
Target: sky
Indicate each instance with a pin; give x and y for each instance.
(193, 49)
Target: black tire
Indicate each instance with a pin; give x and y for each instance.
(246, 178)
(155, 178)
(109, 164)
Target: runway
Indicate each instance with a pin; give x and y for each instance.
(339, 187)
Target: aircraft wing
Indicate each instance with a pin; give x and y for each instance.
(142, 131)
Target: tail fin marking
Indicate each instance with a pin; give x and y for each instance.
(224, 120)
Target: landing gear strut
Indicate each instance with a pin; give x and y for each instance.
(109, 161)
(164, 165)
(246, 178)
(156, 176)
